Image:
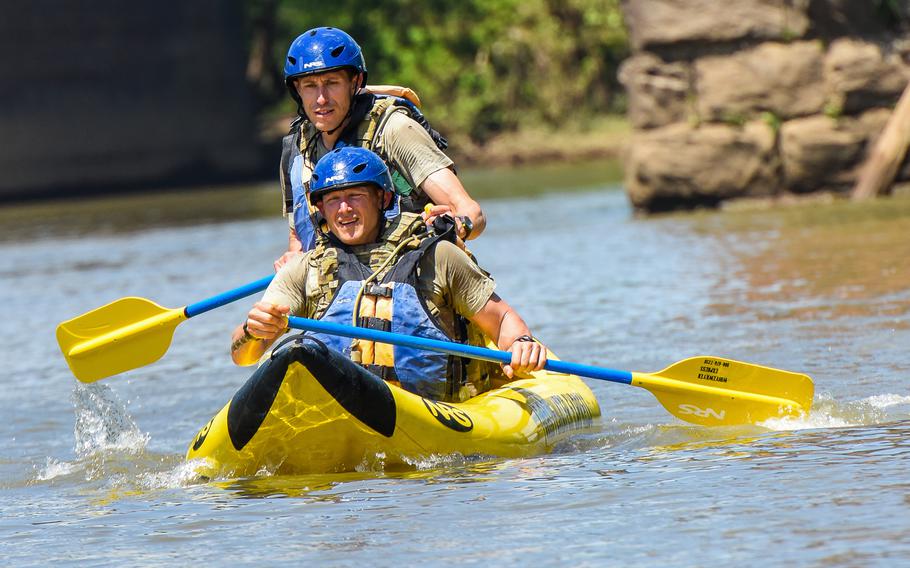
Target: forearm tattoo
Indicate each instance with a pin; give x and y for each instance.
(243, 339)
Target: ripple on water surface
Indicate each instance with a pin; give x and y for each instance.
(97, 473)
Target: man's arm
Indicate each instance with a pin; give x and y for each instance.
(459, 283)
(445, 190)
(264, 324)
(416, 156)
(268, 319)
(500, 322)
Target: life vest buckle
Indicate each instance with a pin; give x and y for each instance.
(377, 290)
(378, 324)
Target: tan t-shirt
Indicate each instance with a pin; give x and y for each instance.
(448, 280)
(407, 145)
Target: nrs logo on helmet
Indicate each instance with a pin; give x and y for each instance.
(347, 167)
(319, 50)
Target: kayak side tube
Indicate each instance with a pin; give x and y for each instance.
(309, 409)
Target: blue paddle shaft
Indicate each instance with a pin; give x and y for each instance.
(470, 351)
(227, 297)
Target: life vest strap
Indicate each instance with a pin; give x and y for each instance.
(374, 323)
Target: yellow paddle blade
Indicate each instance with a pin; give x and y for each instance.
(715, 391)
(123, 335)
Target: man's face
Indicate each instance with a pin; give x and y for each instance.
(353, 213)
(327, 97)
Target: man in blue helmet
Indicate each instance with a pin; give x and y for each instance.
(326, 75)
(392, 274)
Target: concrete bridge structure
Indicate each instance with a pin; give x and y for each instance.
(102, 95)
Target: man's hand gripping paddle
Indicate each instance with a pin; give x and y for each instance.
(712, 391)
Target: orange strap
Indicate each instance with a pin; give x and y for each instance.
(371, 353)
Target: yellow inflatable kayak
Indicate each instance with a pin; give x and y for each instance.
(309, 409)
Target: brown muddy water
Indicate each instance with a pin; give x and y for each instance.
(95, 474)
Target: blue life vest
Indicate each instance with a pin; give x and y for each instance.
(432, 375)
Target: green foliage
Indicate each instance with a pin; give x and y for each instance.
(772, 120)
(834, 109)
(480, 66)
(734, 119)
(892, 12)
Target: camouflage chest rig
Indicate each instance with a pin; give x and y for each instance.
(378, 289)
(369, 114)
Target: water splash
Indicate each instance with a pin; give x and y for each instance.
(107, 440)
(806, 422)
(889, 400)
(163, 472)
(436, 461)
(55, 468)
(829, 413)
(114, 449)
(103, 424)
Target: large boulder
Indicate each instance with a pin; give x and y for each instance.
(819, 152)
(815, 151)
(784, 79)
(657, 90)
(861, 74)
(654, 23)
(685, 166)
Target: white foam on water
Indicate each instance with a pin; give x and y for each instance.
(825, 413)
(181, 475)
(887, 400)
(431, 461)
(829, 413)
(813, 420)
(191, 472)
(637, 429)
(55, 468)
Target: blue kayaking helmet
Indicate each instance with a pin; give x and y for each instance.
(347, 167)
(322, 49)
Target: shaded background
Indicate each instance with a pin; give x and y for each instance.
(98, 96)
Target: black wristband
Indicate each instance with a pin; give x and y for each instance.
(247, 335)
(525, 338)
(467, 224)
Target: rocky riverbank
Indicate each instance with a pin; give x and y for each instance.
(757, 98)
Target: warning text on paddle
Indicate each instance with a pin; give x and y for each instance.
(711, 369)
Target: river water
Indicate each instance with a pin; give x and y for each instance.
(94, 474)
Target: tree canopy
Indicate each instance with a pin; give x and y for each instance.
(480, 66)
